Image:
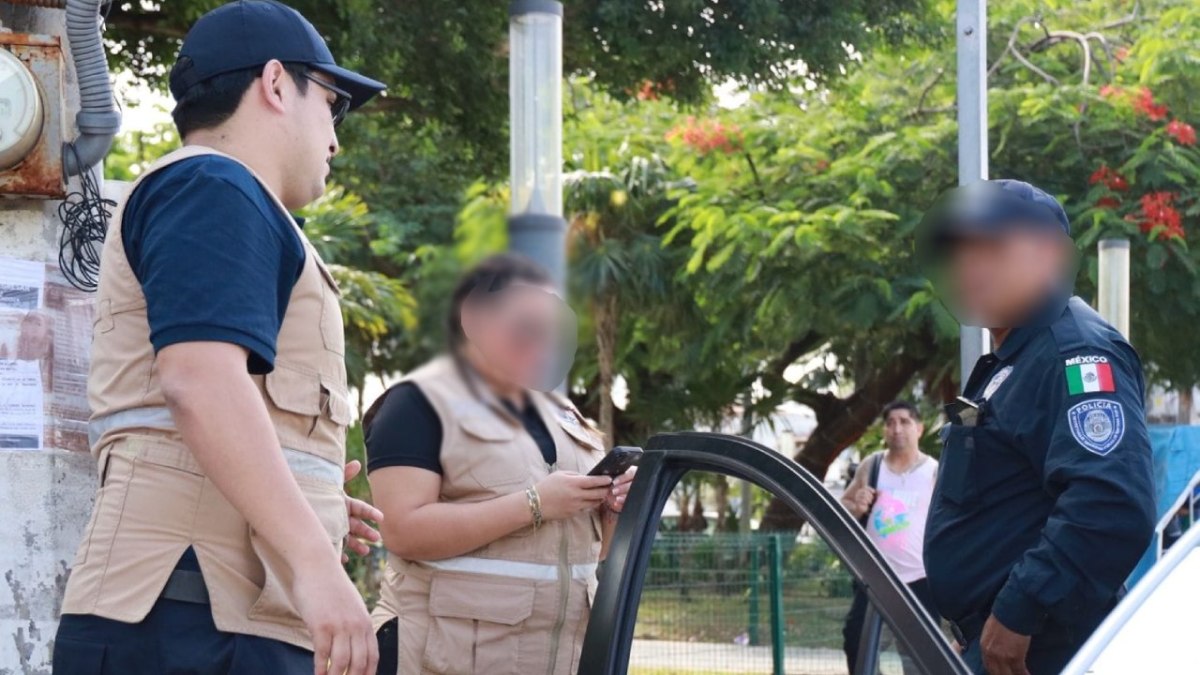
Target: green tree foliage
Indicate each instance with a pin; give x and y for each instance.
(795, 213)
(374, 306)
(133, 151)
(443, 124)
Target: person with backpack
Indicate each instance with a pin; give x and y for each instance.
(890, 495)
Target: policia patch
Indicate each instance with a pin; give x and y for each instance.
(1097, 425)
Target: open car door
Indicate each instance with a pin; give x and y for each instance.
(668, 458)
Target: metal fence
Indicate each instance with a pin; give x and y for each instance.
(729, 603)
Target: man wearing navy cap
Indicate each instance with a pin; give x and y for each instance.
(218, 384)
(1044, 500)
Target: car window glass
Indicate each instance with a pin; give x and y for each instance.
(727, 593)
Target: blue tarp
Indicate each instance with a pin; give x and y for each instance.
(1176, 460)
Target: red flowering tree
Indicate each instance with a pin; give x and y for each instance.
(806, 232)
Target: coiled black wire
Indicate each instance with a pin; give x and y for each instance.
(84, 216)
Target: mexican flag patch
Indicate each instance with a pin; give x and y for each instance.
(1089, 374)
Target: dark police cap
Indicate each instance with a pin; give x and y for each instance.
(992, 207)
(249, 33)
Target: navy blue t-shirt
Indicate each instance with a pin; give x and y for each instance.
(216, 258)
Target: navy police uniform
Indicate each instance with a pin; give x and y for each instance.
(1045, 500)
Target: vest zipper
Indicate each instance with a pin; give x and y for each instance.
(564, 594)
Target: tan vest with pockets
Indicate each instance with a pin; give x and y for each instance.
(155, 501)
(520, 604)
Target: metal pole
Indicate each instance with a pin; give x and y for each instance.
(755, 573)
(777, 638)
(1114, 283)
(536, 227)
(972, 139)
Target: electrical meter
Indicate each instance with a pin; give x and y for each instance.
(21, 111)
(33, 124)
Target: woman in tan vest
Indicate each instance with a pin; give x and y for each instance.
(493, 529)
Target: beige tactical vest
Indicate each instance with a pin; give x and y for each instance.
(155, 501)
(520, 604)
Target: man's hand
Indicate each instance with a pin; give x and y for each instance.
(359, 513)
(343, 640)
(860, 501)
(1003, 650)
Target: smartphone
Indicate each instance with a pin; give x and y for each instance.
(617, 462)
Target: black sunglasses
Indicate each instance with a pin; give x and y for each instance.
(340, 105)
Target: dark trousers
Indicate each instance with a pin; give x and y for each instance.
(389, 648)
(175, 638)
(857, 616)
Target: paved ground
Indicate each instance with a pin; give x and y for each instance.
(662, 657)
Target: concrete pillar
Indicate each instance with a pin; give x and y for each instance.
(45, 495)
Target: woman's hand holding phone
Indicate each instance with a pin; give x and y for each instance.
(565, 493)
(614, 502)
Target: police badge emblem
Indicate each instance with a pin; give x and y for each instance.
(997, 380)
(1097, 425)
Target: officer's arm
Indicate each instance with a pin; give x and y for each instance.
(1098, 465)
(224, 422)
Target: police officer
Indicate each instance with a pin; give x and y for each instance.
(1044, 501)
(218, 384)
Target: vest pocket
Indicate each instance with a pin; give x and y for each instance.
(274, 603)
(475, 624)
(293, 391)
(309, 396)
(496, 458)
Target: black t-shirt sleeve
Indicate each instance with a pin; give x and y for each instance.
(215, 264)
(404, 431)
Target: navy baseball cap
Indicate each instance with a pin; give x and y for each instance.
(989, 208)
(249, 33)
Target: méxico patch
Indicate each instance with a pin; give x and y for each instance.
(1097, 425)
(1089, 375)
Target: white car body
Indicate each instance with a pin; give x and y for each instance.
(1153, 630)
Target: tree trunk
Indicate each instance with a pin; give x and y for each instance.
(721, 494)
(1184, 414)
(606, 347)
(841, 422)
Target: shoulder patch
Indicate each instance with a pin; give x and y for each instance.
(1089, 375)
(1098, 425)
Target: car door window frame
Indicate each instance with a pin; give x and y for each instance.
(667, 458)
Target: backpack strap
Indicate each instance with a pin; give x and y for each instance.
(873, 477)
(872, 481)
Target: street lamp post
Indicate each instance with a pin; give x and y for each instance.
(536, 227)
(971, 21)
(1114, 283)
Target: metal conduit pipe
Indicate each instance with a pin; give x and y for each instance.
(98, 119)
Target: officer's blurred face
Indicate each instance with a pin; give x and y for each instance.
(902, 431)
(520, 335)
(996, 280)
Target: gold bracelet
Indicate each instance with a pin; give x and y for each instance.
(535, 506)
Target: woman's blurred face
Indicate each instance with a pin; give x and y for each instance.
(524, 333)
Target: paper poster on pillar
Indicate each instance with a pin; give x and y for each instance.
(45, 333)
